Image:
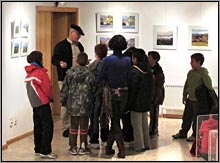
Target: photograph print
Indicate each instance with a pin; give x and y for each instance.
(24, 47)
(24, 29)
(199, 38)
(105, 22)
(104, 39)
(132, 40)
(15, 48)
(129, 22)
(165, 37)
(15, 29)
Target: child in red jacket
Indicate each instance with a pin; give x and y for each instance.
(39, 91)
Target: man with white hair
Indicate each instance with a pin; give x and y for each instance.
(64, 56)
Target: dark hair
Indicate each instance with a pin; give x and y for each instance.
(198, 57)
(140, 55)
(82, 59)
(35, 56)
(101, 50)
(129, 51)
(155, 55)
(117, 42)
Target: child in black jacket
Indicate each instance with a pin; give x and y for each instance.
(139, 99)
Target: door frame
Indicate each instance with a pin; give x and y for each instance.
(44, 41)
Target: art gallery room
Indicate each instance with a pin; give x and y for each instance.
(176, 30)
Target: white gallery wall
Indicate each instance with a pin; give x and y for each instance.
(15, 103)
(175, 63)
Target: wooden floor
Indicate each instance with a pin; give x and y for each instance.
(164, 148)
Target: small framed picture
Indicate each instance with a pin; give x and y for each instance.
(15, 48)
(132, 40)
(129, 22)
(24, 47)
(15, 29)
(164, 37)
(105, 22)
(24, 29)
(199, 38)
(104, 39)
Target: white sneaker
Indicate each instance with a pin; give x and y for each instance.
(73, 151)
(50, 155)
(83, 151)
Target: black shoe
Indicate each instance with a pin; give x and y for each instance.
(66, 133)
(179, 136)
(110, 152)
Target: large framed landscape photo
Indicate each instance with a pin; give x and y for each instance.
(164, 37)
(199, 38)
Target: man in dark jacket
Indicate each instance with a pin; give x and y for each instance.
(158, 91)
(64, 56)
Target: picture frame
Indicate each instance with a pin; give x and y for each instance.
(105, 22)
(199, 38)
(15, 48)
(24, 47)
(132, 40)
(15, 29)
(164, 37)
(129, 22)
(104, 39)
(24, 29)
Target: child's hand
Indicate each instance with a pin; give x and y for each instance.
(63, 64)
(184, 100)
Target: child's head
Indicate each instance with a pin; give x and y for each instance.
(129, 51)
(35, 56)
(101, 50)
(118, 43)
(82, 59)
(153, 57)
(197, 60)
(138, 56)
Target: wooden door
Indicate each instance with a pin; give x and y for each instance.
(52, 25)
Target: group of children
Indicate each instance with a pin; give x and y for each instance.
(126, 86)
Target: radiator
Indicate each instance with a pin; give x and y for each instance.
(173, 100)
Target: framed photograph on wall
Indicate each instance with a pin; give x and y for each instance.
(24, 47)
(199, 38)
(129, 22)
(15, 48)
(164, 37)
(15, 29)
(132, 40)
(104, 39)
(105, 22)
(24, 29)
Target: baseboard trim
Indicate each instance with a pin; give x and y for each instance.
(15, 139)
(175, 116)
(4, 146)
